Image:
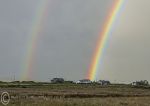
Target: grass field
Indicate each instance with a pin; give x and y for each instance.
(77, 95)
(110, 101)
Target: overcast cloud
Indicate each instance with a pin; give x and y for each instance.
(68, 39)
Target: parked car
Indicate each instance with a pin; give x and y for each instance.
(103, 82)
(57, 80)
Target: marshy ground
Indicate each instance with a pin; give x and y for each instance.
(77, 95)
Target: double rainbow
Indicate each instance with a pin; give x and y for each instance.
(36, 28)
(103, 39)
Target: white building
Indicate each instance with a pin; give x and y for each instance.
(84, 81)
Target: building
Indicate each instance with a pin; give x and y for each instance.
(140, 83)
(57, 80)
(84, 81)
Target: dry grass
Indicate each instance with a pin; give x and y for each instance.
(78, 95)
(123, 101)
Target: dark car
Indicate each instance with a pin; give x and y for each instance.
(57, 80)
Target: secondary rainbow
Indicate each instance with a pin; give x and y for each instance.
(103, 39)
(34, 34)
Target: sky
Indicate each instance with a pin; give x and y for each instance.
(68, 39)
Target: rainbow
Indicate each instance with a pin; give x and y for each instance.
(34, 34)
(103, 39)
